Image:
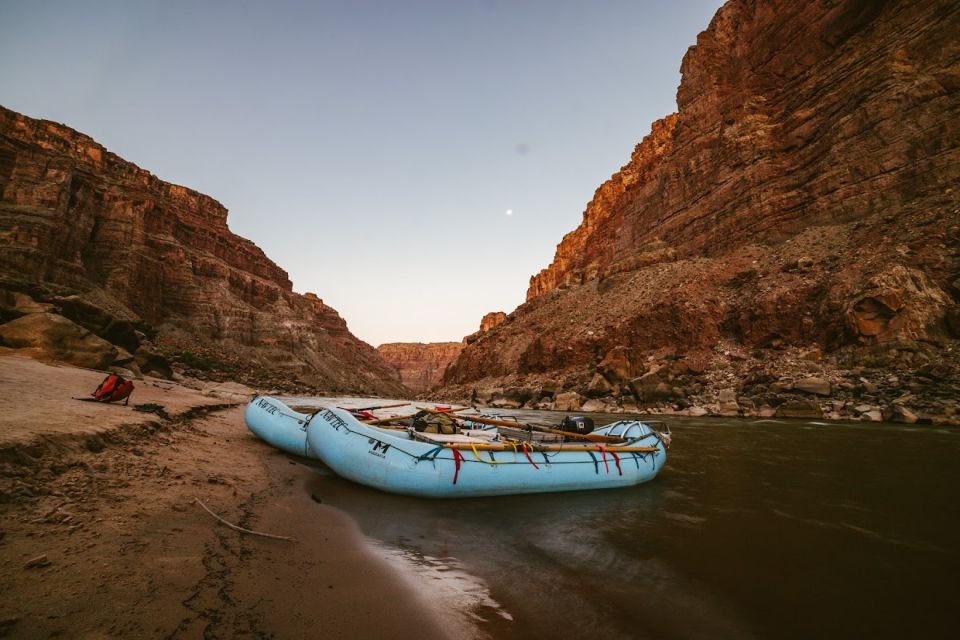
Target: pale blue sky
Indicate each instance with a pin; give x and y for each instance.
(371, 149)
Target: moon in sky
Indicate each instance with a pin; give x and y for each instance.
(509, 212)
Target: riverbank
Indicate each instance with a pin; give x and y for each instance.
(101, 534)
(902, 383)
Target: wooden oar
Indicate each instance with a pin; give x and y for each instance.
(546, 447)
(396, 418)
(592, 437)
(386, 420)
(383, 406)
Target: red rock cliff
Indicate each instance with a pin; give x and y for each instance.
(790, 114)
(420, 365)
(75, 215)
(807, 192)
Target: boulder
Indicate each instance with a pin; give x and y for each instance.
(901, 414)
(123, 372)
(128, 363)
(569, 401)
(149, 361)
(595, 406)
(815, 386)
(747, 406)
(728, 403)
(101, 322)
(57, 338)
(14, 304)
(900, 303)
(599, 386)
(799, 409)
(124, 357)
(696, 412)
(621, 363)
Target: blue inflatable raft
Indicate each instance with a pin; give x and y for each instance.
(471, 463)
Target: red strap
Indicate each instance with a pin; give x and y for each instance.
(616, 459)
(457, 457)
(523, 445)
(604, 452)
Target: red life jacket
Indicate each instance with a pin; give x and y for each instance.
(112, 389)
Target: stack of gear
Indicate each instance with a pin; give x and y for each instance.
(435, 423)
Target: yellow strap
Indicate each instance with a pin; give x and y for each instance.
(477, 455)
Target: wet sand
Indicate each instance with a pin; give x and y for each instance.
(100, 535)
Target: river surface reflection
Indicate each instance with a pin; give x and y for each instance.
(755, 529)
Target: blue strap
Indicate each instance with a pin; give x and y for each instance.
(596, 465)
(430, 455)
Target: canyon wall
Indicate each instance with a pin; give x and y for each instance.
(804, 199)
(75, 218)
(420, 365)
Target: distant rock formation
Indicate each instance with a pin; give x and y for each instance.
(801, 210)
(492, 320)
(420, 365)
(75, 218)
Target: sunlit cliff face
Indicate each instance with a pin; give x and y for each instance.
(801, 196)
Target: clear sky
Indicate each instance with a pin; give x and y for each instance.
(411, 162)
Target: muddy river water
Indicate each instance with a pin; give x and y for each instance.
(755, 529)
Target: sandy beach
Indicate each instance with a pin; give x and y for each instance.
(101, 535)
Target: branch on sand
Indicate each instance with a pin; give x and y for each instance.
(241, 529)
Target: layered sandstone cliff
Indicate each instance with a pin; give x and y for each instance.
(420, 365)
(80, 219)
(805, 197)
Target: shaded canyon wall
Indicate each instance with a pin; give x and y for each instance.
(79, 218)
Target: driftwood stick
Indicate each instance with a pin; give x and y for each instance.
(241, 529)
